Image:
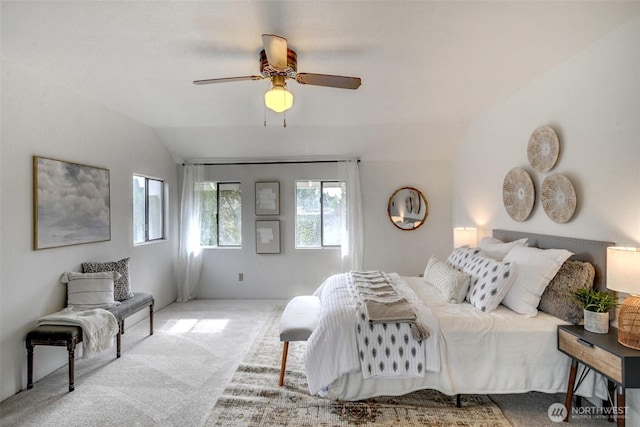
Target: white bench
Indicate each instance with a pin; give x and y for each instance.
(298, 321)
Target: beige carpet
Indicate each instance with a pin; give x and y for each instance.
(253, 398)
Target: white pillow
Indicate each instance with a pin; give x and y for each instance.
(536, 268)
(452, 284)
(461, 256)
(86, 291)
(497, 249)
(490, 281)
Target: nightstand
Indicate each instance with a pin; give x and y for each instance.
(602, 353)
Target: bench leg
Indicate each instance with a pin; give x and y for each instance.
(285, 350)
(119, 337)
(29, 365)
(151, 319)
(71, 347)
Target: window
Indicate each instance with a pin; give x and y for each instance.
(319, 210)
(221, 214)
(148, 209)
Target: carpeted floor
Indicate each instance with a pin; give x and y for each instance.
(176, 376)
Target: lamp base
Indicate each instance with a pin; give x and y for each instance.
(629, 322)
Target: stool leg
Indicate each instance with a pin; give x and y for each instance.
(71, 346)
(285, 350)
(29, 365)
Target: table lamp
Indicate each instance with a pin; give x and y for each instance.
(465, 236)
(623, 275)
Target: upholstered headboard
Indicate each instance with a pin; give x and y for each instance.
(592, 251)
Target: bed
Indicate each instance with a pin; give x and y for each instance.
(468, 350)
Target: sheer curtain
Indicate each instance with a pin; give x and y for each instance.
(190, 251)
(352, 218)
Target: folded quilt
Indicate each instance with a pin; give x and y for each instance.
(384, 304)
(390, 312)
(99, 326)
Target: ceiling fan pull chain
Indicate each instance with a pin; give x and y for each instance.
(284, 122)
(265, 116)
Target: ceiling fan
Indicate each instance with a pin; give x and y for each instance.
(279, 63)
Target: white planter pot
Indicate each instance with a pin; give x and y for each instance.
(596, 322)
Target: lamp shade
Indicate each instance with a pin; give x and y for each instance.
(623, 269)
(623, 274)
(465, 236)
(278, 98)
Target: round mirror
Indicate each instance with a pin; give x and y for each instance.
(407, 208)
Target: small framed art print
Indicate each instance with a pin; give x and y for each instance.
(268, 198)
(268, 237)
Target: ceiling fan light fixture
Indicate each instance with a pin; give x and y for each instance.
(278, 98)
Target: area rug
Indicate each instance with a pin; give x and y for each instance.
(253, 398)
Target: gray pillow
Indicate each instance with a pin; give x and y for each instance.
(556, 298)
(122, 286)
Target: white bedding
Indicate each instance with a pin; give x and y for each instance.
(497, 352)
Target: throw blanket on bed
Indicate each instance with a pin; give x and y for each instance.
(386, 322)
(98, 327)
(332, 349)
(385, 304)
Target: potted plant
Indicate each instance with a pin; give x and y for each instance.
(596, 305)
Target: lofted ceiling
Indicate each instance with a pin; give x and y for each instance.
(433, 64)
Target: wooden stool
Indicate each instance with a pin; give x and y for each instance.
(68, 336)
(297, 323)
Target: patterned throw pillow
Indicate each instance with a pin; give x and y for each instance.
(490, 281)
(452, 284)
(556, 299)
(122, 286)
(461, 256)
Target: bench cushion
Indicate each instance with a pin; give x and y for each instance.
(130, 306)
(300, 318)
(55, 333)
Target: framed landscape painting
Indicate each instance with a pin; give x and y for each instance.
(71, 203)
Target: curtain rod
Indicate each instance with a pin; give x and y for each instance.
(278, 162)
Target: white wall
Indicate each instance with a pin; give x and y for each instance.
(299, 271)
(44, 119)
(593, 103)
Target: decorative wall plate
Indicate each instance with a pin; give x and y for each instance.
(543, 149)
(558, 198)
(518, 194)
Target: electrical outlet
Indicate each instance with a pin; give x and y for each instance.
(240, 277)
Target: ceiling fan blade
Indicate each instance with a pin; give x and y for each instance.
(276, 49)
(342, 82)
(226, 79)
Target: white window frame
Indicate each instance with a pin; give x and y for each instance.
(322, 245)
(163, 210)
(217, 217)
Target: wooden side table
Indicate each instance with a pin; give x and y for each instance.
(604, 354)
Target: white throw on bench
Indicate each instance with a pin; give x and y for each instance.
(297, 323)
